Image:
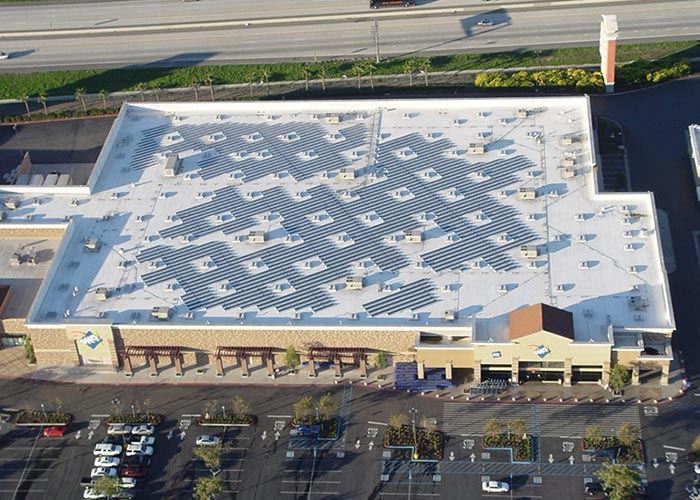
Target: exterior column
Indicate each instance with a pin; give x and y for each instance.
(665, 370)
(153, 364)
(363, 366)
(178, 365)
(219, 362)
(477, 371)
(244, 366)
(270, 366)
(448, 370)
(567, 372)
(605, 379)
(338, 367)
(421, 371)
(128, 369)
(312, 367)
(515, 371)
(635, 374)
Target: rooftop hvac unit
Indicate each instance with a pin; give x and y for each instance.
(566, 140)
(527, 193)
(529, 251)
(521, 113)
(503, 194)
(584, 265)
(256, 236)
(346, 174)
(332, 119)
(354, 282)
(102, 294)
(172, 166)
(568, 173)
(629, 247)
(567, 162)
(581, 238)
(476, 148)
(414, 236)
(502, 288)
(561, 288)
(449, 315)
(580, 217)
(11, 203)
(160, 313)
(92, 245)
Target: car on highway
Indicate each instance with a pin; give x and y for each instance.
(138, 449)
(103, 461)
(4, 55)
(375, 4)
(207, 440)
(143, 430)
(145, 440)
(107, 450)
(495, 487)
(118, 429)
(103, 471)
(133, 471)
(54, 431)
(484, 22)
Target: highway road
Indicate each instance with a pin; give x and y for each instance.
(168, 33)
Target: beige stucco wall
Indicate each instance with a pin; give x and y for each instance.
(7, 231)
(53, 347)
(625, 357)
(436, 358)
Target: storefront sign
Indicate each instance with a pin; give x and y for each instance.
(541, 350)
(496, 354)
(90, 339)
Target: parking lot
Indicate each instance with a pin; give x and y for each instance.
(26, 463)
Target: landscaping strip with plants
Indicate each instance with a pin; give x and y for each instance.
(514, 436)
(626, 446)
(135, 418)
(427, 445)
(228, 420)
(38, 418)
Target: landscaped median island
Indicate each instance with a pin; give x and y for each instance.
(513, 437)
(423, 439)
(135, 418)
(41, 418)
(239, 414)
(316, 418)
(625, 447)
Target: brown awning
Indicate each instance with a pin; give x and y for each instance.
(539, 317)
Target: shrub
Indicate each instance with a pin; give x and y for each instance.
(207, 487)
(210, 455)
(398, 420)
(291, 357)
(381, 360)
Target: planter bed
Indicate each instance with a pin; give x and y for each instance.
(228, 421)
(139, 418)
(40, 418)
(623, 454)
(521, 448)
(427, 446)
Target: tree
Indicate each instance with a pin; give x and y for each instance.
(517, 427)
(103, 95)
(250, 78)
(107, 486)
(210, 455)
(265, 75)
(493, 427)
(428, 424)
(140, 87)
(398, 420)
(29, 350)
(146, 405)
(59, 404)
(326, 407)
(370, 68)
(322, 74)
(241, 406)
(42, 99)
(80, 95)
(358, 69)
(619, 377)
(195, 86)
(381, 361)
(696, 444)
(25, 100)
(594, 436)
(209, 80)
(409, 67)
(619, 481)
(210, 407)
(291, 358)
(425, 67)
(306, 70)
(303, 409)
(156, 91)
(628, 434)
(207, 487)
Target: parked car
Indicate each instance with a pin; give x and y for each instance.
(133, 471)
(484, 22)
(113, 440)
(103, 461)
(54, 431)
(4, 55)
(495, 487)
(594, 488)
(145, 440)
(143, 430)
(92, 493)
(308, 430)
(696, 468)
(119, 429)
(599, 456)
(140, 460)
(103, 471)
(207, 440)
(127, 482)
(107, 450)
(138, 449)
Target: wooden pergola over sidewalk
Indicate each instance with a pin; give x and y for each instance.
(241, 354)
(151, 353)
(336, 355)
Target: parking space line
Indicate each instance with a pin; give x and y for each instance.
(26, 464)
(278, 416)
(311, 470)
(30, 447)
(315, 482)
(307, 493)
(22, 491)
(412, 494)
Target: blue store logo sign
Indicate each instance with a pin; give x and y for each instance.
(90, 339)
(541, 350)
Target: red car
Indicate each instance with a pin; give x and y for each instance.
(133, 471)
(54, 431)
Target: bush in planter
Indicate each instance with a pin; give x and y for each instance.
(138, 418)
(291, 358)
(207, 487)
(381, 361)
(41, 417)
(303, 410)
(210, 455)
(594, 437)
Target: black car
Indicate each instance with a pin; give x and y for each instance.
(594, 488)
(113, 440)
(136, 460)
(375, 4)
(599, 456)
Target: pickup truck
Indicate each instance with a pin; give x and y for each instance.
(375, 4)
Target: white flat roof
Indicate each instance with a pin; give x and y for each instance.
(335, 200)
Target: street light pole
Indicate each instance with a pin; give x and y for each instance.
(375, 35)
(223, 410)
(43, 411)
(413, 412)
(133, 411)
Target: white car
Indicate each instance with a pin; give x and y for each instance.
(127, 482)
(484, 22)
(106, 462)
(92, 493)
(495, 487)
(145, 440)
(107, 450)
(143, 430)
(119, 429)
(4, 55)
(696, 468)
(138, 449)
(103, 471)
(208, 441)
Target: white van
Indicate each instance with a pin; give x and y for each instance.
(107, 450)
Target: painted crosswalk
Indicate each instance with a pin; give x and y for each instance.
(393, 467)
(542, 420)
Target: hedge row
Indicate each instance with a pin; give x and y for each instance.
(74, 113)
(572, 77)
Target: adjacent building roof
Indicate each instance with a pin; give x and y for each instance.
(540, 317)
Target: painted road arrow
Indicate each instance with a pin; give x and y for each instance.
(90, 434)
(77, 435)
(452, 456)
(170, 434)
(264, 435)
(357, 444)
(655, 462)
(550, 459)
(472, 457)
(277, 435)
(672, 468)
(371, 445)
(571, 460)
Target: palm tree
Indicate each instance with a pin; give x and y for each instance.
(24, 99)
(306, 70)
(322, 75)
(251, 77)
(265, 75)
(195, 87)
(80, 95)
(42, 99)
(358, 69)
(370, 68)
(425, 67)
(409, 67)
(140, 87)
(103, 94)
(209, 80)
(156, 89)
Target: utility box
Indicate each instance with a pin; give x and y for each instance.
(332, 119)
(172, 166)
(256, 236)
(161, 313)
(347, 174)
(92, 245)
(476, 148)
(414, 235)
(449, 315)
(567, 162)
(102, 294)
(529, 251)
(354, 282)
(522, 113)
(568, 173)
(527, 193)
(566, 140)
